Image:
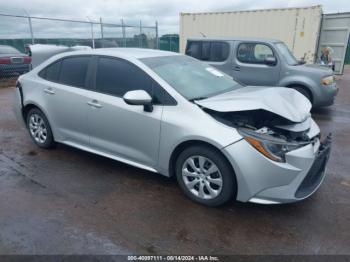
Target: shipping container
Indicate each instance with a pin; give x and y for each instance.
(298, 27)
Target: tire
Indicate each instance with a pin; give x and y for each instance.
(303, 91)
(196, 185)
(39, 129)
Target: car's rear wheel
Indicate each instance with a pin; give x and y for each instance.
(39, 129)
(205, 176)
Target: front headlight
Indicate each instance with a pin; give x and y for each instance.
(271, 147)
(327, 80)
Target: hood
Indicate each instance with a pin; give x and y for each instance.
(315, 68)
(281, 101)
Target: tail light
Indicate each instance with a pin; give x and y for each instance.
(27, 60)
(5, 60)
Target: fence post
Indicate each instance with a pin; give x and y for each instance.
(157, 40)
(101, 23)
(123, 31)
(92, 32)
(31, 29)
(170, 43)
(92, 35)
(140, 39)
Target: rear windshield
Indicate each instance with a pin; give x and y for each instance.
(8, 50)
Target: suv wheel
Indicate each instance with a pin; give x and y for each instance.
(205, 176)
(303, 91)
(39, 129)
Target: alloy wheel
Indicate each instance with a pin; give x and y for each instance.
(202, 177)
(37, 128)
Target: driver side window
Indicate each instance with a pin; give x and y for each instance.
(117, 76)
(253, 53)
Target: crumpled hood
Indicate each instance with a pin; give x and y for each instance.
(281, 101)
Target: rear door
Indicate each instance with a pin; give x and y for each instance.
(66, 93)
(249, 66)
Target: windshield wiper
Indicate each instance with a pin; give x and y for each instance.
(198, 98)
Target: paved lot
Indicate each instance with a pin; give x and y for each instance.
(66, 201)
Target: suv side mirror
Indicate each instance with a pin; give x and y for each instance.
(270, 60)
(139, 97)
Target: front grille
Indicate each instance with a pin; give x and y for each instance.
(317, 170)
(17, 60)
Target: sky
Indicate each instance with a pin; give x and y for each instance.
(132, 11)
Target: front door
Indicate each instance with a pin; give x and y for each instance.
(249, 65)
(119, 129)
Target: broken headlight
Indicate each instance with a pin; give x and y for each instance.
(271, 147)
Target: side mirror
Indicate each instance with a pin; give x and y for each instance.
(270, 60)
(139, 97)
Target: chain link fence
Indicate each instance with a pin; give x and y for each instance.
(19, 31)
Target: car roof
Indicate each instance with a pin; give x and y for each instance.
(137, 53)
(252, 39)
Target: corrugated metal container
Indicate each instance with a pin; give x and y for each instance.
(297, 27)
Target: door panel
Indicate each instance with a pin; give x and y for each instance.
(248, 64)
(125, 130)
(118, 128)
(68, 110)
(65, 96)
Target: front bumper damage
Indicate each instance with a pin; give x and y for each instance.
(314, 177)
(261, 180)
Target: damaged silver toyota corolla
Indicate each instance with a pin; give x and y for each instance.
(174, 115)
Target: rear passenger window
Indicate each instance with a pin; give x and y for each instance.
(73, 71)
(205, 51)
(194, 49)
(219, 51)
(208, 51)
(253, 53)
(51, 72)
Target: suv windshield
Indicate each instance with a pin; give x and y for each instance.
(190, 77)
(287, 54)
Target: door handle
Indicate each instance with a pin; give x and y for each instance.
(49, 91)
(237, 68)
(94, 103)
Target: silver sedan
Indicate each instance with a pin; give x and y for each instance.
(177, 116)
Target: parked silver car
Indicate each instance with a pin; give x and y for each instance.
(266, 62)
(177, 116)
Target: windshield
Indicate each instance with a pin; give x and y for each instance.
(8, 50)
(191, 78)
(287, 54)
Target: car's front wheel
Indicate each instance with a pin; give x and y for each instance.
(205, 176)
(39, 129)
